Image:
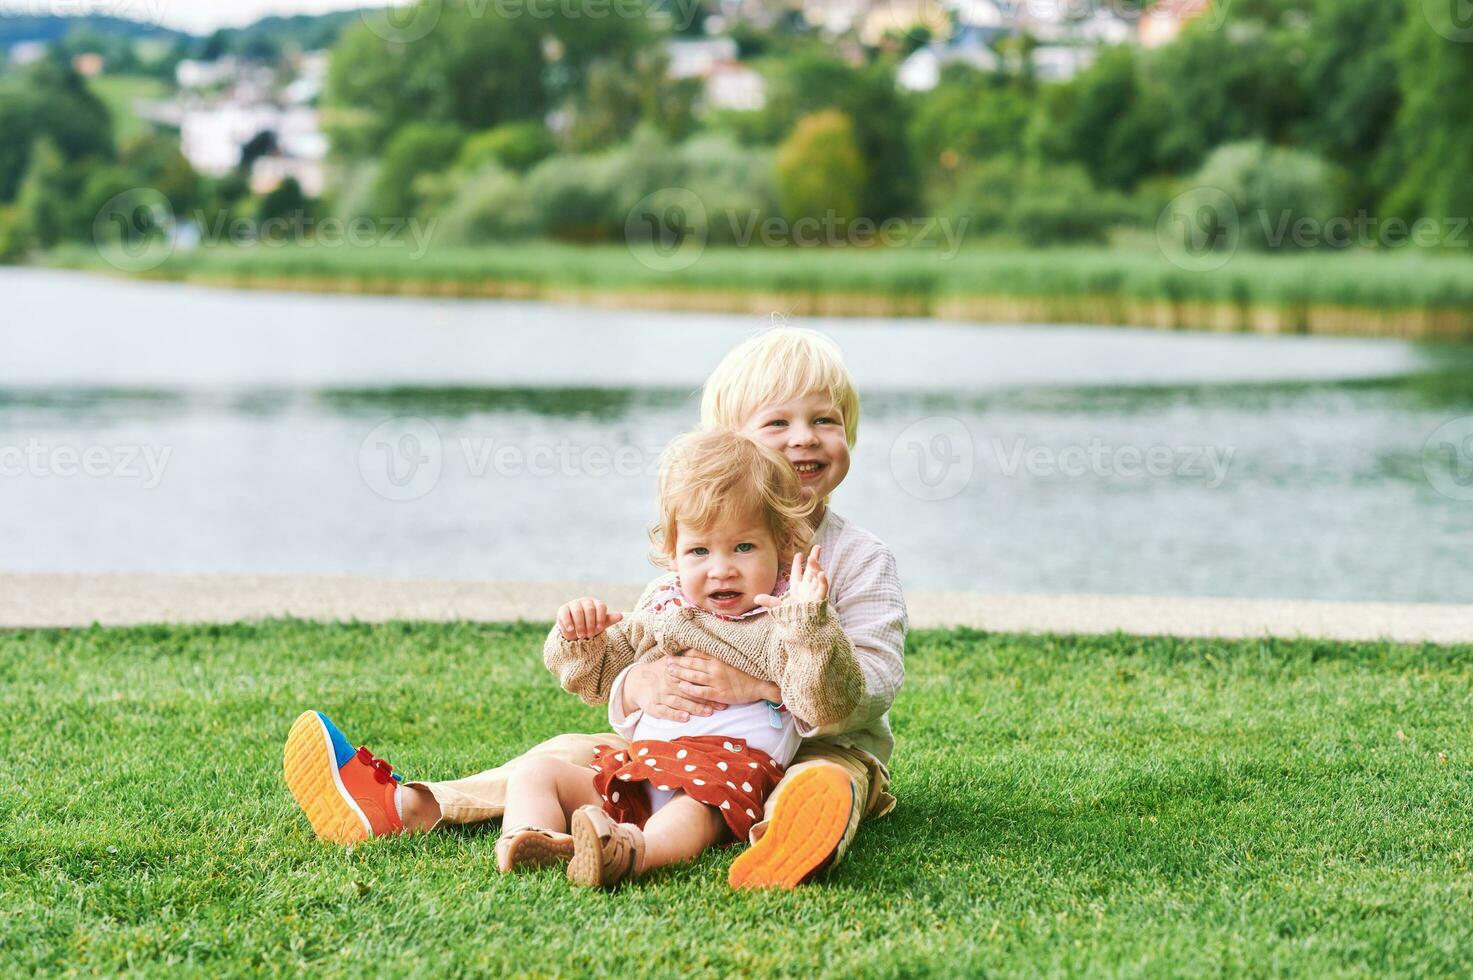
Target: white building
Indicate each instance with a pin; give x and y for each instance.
(212, 136)
(698, 57)
(921, 72)
(1061, 62)
(268, 172)
(729, 84)
(27, 53)
(732, 85)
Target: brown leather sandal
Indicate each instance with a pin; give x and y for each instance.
(532, 847)
(604, 852)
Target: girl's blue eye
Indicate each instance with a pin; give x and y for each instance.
(828, 420)
(697, 551)
(745, 547)
(778, 422)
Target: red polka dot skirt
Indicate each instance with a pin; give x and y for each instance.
(722, 772)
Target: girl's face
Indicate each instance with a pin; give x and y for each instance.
(809, 432)
(725, 567)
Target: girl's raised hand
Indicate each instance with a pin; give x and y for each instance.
(583, 619)
(807, 581)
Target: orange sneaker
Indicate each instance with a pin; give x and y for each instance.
(348, 796)
(807, 825)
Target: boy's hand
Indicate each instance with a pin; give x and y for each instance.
(807, 582)
(583, 619)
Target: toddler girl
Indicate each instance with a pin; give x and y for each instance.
(730, 511)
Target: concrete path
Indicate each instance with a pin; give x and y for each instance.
(114, 600)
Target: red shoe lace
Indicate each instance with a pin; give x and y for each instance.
(382, 771)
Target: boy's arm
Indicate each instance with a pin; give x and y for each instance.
(617, 717)
(871, 610)
(814, 664)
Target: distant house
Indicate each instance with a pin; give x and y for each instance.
(732, 85)
(921, 72)
(1164, 21)
(27, 53)
(698, 57)
(899, 17)
(729, 84)
(268, 172)
(835, 17)
(1061, 62)
(88, 65)
(203, 74)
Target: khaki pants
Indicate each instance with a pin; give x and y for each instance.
(483, 796)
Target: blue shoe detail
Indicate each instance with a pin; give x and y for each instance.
(342, 749)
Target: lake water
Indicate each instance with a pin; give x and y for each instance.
(162, 427)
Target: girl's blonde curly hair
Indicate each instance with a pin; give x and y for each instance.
(710, 476)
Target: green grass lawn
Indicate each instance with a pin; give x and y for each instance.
(1114, 806)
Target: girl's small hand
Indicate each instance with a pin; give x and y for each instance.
(807, 582)
(583, 619)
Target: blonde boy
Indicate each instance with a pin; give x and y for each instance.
(788, 389)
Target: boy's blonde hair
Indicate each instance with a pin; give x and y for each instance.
(708, 476)
(776, 366)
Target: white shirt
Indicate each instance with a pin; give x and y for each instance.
(864, 590)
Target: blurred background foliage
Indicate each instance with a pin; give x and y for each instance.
(513, 127)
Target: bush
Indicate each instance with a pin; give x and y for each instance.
(490, 205)
(351, 190)
(819, 169)
(1040, 205)
(1060, 205)
(286, 202)
(572, 197)
(515, 146)
(12, 249)
(733, 182)
(590, 197)
(1260, 190)
(416, 150)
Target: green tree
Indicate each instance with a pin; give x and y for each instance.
(155, 161)
(616, 97)
(1106, 119)
(970, 116)
(285, 202)
(1351, 67)
(415, 151)
(1234, 82)
(52, 101)
(812, 81)
(820, 170)
(482, 65)
(1428, 159)
(517, 146)
(42, 204)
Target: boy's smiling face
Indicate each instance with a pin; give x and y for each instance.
(809, 432)
(724, 568)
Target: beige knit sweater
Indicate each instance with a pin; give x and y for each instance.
(799, 646)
